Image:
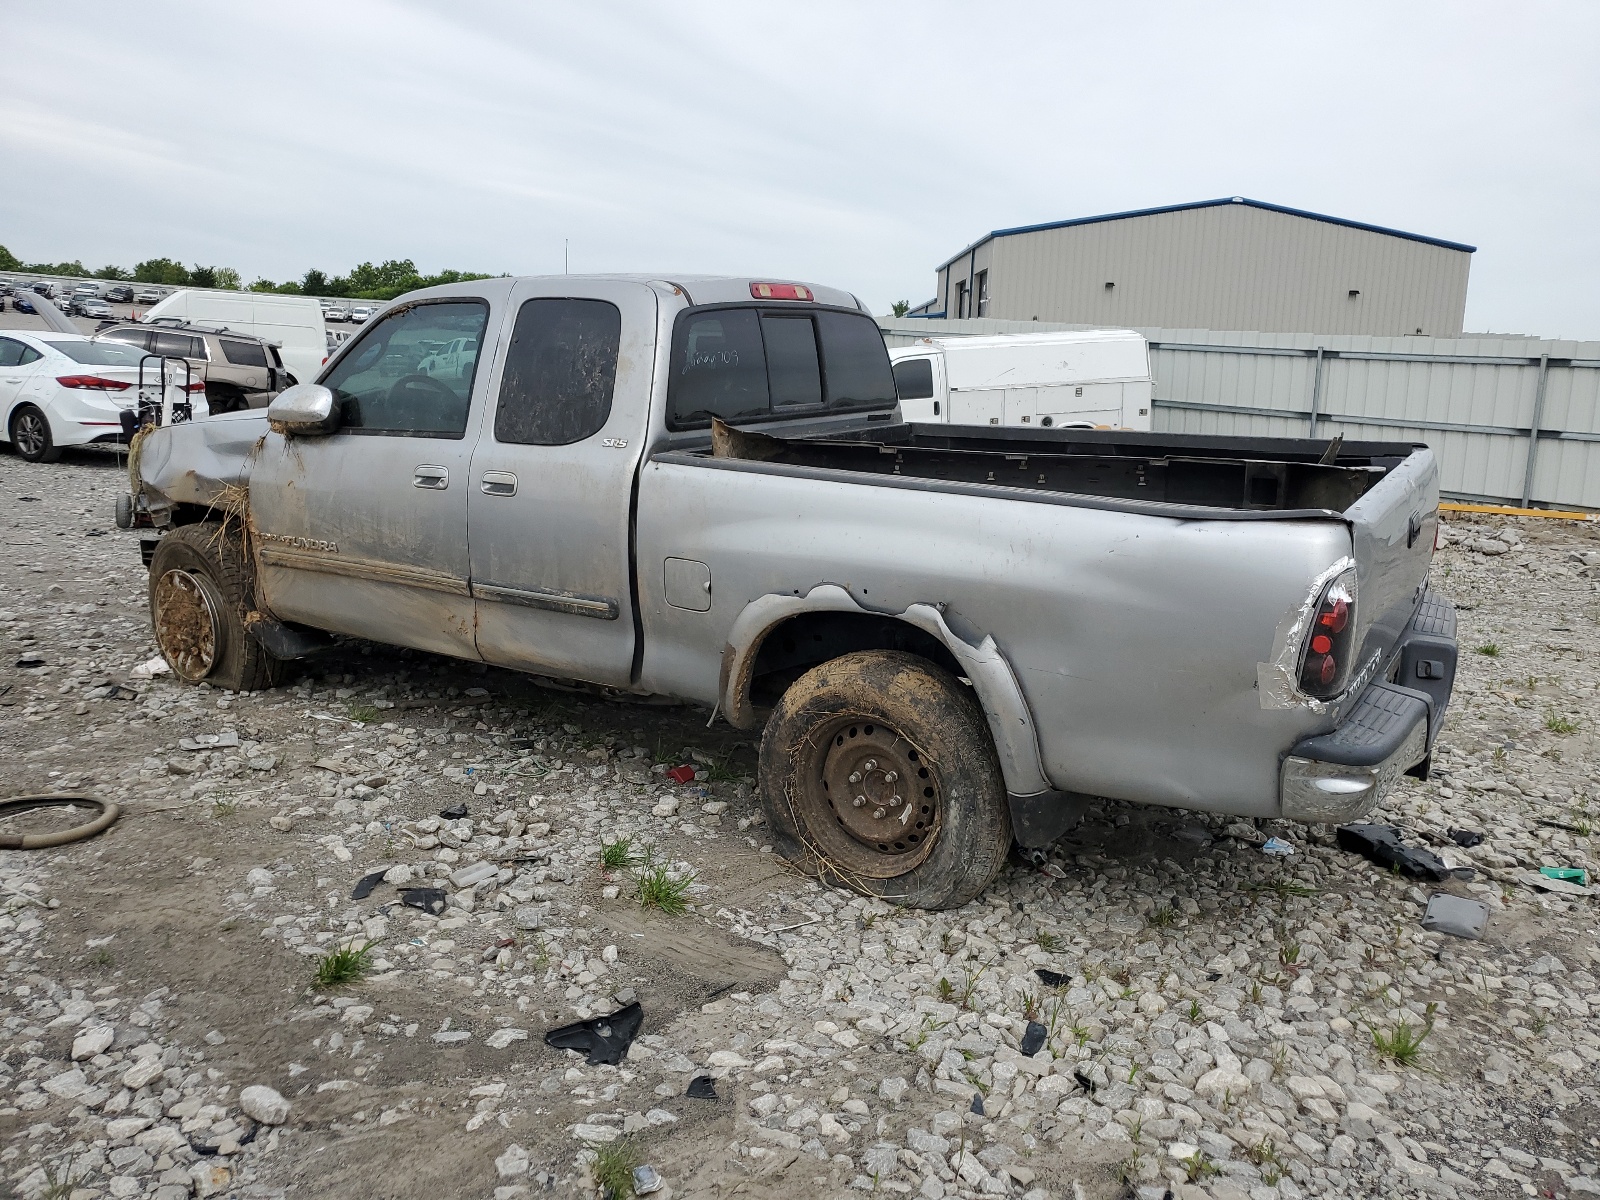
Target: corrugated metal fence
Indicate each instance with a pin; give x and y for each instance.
(1513, 420)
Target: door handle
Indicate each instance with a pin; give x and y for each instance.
(499, 483)
(435, 479)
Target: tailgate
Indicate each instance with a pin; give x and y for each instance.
(1392, 530)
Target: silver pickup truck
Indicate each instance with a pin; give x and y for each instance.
(701, 488)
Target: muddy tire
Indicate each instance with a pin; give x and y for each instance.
(199, 594)
(878, 774)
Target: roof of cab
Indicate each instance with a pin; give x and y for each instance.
(700, 289)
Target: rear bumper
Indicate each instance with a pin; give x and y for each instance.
(1338, 776)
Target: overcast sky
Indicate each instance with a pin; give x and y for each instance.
(852, 144)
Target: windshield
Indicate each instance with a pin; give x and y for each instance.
(98, 353)
(754, 362)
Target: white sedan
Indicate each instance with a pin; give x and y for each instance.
(62, 389)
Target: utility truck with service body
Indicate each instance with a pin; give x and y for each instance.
(950, 635)
(1090, 377)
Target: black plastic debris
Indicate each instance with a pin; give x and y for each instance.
(365, 884)
(1033, 1039)
(429, 900)
(1213, 976)
(603, 1039)
(1052, 978)
(977, 1104)
(31, 660)
(1084, 1082)
(454, 813)
(701, 1088)
(1465, 838)
(1381, 844)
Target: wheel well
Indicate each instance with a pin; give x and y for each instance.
(792, 647)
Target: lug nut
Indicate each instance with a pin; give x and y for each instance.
(893, 801)
(891, 776)
(870, 765)
(855, 776)
(878, 813)
(859, 802)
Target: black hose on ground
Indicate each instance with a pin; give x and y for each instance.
(12, 805)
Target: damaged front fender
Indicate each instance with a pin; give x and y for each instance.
(202, 463)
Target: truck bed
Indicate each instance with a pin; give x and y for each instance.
(1275, 476)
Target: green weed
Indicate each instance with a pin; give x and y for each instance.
(1200, 1167)
(344, 966)
(365, 713)
(946, 990)
(1048, 942)
(619, 855)
(1163, 916)
(1489, 650)
(1401, 1042)
(613, 1166)
(657, 889)
(1557, 724)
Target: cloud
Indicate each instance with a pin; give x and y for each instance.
(854, 144)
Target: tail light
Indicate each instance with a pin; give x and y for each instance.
(92, 382)
(781, 291)
(1330, 642)
(192, 388)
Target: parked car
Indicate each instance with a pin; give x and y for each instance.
(291, 323)
(94, 307)
(949, 636)
(22, 304)
(45, 290)
(147, 296)
(336, 313)
(360, 315)
(59, 390)
(86, 289)
(120, 294)
(238, 371)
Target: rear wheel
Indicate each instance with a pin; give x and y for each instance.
(199, 595)
(225, 398)
(30, 434)
(878, 773)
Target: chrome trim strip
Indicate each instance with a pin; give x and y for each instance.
(600, 607)
(355, 568)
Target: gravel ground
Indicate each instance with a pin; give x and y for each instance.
(1223, 1023)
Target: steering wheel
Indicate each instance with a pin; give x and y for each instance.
(408, 387)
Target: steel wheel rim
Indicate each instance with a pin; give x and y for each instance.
(186, 626)
(29, 433)
(874, 803)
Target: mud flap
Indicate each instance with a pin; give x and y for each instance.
(281, 641)
(1040, 819)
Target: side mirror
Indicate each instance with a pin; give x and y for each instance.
(304, 410)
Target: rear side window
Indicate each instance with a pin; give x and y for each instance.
(100, 354)
(11, 352)
(244, 354)
(913, 379)
(744, 363)
(180, 345)
(561, 371)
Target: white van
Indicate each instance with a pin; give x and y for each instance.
(1086, 378)
(293, 322)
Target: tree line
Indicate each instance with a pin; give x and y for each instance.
(364, 282)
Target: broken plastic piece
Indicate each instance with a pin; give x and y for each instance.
(1457, 916)
(1381, 844)
(32, 660)
(1575, 875)
(455, 812)
(1033, 1039)
(150, 668)
(365, 884)
(646, 1179)
(1052, 978)
(1277, 847)
(604, 1039)
(977, 1104)
(429, 900)
(701, 1088)
(683, 774)
(1465, 838)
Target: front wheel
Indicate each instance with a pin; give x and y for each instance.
(199, 595)
(30, 434)
(878, 773)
